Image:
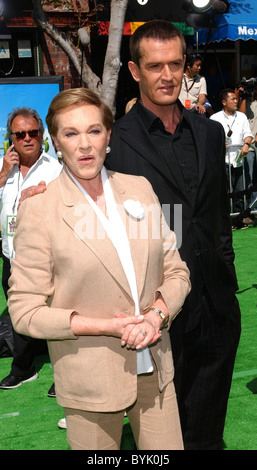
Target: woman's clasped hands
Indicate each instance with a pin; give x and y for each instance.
(139, 335)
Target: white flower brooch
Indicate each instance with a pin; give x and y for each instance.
(134, 208)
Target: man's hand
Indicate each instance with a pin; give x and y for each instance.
(10, 159)
(32, 191)
(200, 108)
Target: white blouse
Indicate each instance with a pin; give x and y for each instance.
(116, 231)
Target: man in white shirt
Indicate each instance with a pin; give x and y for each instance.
(193, 89)
(238, 139)
(248, 106)
(24, 165)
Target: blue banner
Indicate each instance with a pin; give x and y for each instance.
(239, 23)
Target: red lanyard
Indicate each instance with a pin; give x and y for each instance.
(188, 89)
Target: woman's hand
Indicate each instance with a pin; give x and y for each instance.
(87, 326)
(140, 335)
(136, 331)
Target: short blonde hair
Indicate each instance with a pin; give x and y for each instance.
(73, 96)
(130, 104)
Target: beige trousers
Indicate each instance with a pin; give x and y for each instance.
(154, 420)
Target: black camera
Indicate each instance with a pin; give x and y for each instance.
(248, 87)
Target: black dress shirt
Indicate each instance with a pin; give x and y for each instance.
(178, 146)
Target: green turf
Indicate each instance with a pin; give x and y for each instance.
(241, 423)
(28, 417)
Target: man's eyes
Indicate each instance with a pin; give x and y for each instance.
(159, 67)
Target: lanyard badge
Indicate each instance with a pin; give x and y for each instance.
(11, 225)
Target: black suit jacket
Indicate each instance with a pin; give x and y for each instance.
(206, 243)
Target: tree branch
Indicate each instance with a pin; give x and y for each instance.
(112, 57)
(89, 78)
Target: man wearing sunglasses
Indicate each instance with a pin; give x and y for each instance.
(24, 165)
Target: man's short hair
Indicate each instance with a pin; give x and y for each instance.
(224, 93)
(27, 112)
(156, 29)
(191, 58)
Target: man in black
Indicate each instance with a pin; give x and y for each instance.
(183, 157)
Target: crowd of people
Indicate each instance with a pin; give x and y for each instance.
(138, 319)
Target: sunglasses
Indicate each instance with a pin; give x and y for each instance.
(20, 135)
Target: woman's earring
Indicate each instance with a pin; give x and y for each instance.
(59, 154)
(108, 149)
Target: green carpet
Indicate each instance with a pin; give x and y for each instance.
(241, 423)
(28, 417)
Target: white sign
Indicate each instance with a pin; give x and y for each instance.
(4, 50)
(24, 48)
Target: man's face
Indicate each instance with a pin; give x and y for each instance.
(196, 68)
(160, 71)
(230, 104)
(27, 147)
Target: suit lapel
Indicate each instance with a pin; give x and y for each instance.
(135, 135)
(76, 212)
(199, 129)
(82, 220)
(201, 151)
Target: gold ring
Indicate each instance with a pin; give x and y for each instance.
(143, 332)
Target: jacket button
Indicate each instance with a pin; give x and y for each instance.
(197, 252)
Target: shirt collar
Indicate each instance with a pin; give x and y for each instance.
(148, 118)
(191, 78)
(229, 116)
(153, 122)
(44, 156)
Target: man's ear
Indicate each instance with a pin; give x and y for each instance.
(134, 70)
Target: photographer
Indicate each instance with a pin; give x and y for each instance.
(248, 106)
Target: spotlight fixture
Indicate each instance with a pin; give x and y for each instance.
(202, 6)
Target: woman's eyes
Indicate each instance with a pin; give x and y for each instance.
(70, 134)
(91, 131)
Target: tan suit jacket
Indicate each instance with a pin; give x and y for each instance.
(62, 265)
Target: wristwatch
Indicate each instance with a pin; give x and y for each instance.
(162, 316)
